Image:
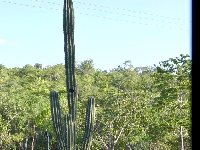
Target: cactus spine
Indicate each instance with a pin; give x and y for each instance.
(66, 129)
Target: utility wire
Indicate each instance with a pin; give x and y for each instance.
(27, 5)
(128, 20)
(102, 7)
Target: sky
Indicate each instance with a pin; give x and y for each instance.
(108, 32)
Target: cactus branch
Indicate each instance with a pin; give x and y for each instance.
(56, 117)
(89, 123)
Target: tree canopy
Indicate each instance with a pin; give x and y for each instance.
(137, 107)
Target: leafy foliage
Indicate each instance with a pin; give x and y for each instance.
(137, 108)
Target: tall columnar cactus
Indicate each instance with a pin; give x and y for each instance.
(65, 129)
(69, 49)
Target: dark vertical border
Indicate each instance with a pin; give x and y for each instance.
(195, 74)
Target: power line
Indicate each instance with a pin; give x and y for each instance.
(130, 15)
(95, 14)
(103, 8)
(26, 5)
(99, 6)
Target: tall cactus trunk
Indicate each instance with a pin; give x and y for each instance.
(69, 49)
(66, 129)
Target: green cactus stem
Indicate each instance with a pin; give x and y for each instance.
(66, 129)
(56, 117)
(89, 124)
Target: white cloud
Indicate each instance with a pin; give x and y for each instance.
(2, 41)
